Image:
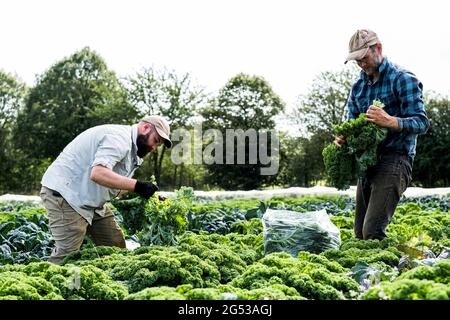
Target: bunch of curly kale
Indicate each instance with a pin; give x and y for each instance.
(346, 163)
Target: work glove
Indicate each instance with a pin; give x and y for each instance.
(145, 189)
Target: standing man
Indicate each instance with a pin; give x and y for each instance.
(379, 191)
(92, 170)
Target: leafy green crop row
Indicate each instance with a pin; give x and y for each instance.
(25, 239)
(208, 265)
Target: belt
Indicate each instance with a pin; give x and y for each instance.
(398, 155)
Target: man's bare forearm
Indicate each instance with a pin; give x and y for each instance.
(108, 178)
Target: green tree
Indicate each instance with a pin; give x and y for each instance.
(432, 162)
(322, 107)
(73, 95)
(325, 104)
(164, 93)
(245, 102)
(173, 176)
(301, 163)
(12, 93)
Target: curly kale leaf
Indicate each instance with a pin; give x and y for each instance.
(346, 163)
(408, 289)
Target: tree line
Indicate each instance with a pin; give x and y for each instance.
(80, 91)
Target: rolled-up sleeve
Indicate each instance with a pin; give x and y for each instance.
(414, 118)
(111, 149)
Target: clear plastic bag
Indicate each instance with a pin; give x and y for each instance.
(292, 231)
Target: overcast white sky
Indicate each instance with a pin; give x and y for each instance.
(286, 42)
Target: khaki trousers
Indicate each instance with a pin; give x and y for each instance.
(69, 228)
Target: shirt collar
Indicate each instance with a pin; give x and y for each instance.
(134, 135)
(384, 65)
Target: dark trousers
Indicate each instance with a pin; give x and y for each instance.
(378, 194)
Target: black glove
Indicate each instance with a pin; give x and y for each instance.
(162, 198)
(145, 189)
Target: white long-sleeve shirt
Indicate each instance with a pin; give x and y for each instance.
(112, 146)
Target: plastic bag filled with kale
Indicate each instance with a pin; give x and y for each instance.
(292, 231)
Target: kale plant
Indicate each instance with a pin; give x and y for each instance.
(346, 163)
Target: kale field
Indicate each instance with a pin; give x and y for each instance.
(196, 250)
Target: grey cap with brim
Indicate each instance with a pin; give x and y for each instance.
(360, 43)
(162, 127)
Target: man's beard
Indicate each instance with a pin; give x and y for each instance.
(376, 66)
(141, 142)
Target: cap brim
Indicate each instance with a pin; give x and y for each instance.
(357, 55)
(167, 141)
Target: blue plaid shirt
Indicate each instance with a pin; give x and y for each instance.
(401, 93)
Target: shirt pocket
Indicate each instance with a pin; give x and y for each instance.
(390, 104)
(363, 104)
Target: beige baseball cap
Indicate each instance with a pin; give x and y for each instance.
(162, 127)
(359, 44)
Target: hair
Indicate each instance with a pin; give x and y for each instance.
(151, 124)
